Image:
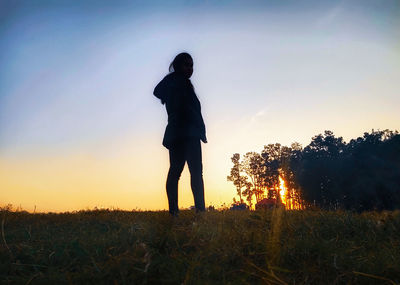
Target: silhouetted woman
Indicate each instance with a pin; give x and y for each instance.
(184, 131)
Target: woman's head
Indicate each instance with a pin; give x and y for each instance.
(183, 64)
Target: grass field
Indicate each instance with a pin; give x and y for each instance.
(217, 247)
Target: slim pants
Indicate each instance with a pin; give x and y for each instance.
(188, 150)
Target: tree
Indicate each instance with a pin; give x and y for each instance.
(361, 175)
(253, 166)
(271, 159)
(318, 174)
(238, 180)
(248, 193)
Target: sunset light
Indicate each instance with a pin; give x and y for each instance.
(282, 190)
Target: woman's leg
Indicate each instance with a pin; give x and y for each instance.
(194, 159)
(177, 162)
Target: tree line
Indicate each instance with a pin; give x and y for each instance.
(363, 174)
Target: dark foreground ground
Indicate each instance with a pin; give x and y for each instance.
(227, 247)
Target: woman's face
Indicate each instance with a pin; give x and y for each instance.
(187, 67)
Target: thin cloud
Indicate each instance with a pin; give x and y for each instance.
(330, 16)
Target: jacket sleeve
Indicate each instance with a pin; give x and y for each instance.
(202, 128)
(163, 89)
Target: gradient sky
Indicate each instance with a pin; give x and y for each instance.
(79, 126)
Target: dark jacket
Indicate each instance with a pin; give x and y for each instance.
(183, 108)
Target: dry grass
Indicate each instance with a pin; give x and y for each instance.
(218, 247)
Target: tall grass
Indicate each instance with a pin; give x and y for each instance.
(217, 247)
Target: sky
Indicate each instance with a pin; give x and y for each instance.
(80, 128)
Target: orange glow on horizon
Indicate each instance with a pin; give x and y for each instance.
(125, 173)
